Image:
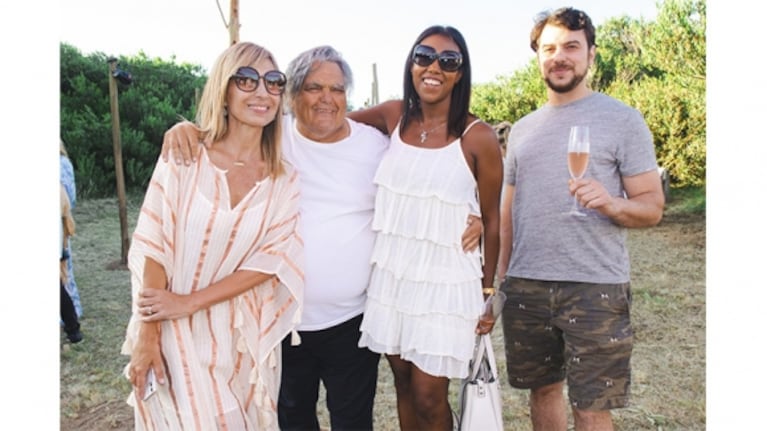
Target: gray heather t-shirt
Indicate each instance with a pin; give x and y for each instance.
(548, 243)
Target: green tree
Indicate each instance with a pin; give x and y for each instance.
(161, 93)
(658, 66)
(671, 91)
(620, 54)
(511, 97)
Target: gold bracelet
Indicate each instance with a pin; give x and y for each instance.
(488, 290)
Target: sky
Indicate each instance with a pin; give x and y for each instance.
(496, 32)
(193, 31)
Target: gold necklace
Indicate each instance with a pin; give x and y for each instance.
(240, 161)
(425, 133)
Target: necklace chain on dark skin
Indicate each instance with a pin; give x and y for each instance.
(425, 133)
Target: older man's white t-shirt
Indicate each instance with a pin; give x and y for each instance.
(336, 207)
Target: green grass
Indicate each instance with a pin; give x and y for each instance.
(687, 201)
(91, 371)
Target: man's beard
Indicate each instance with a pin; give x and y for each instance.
(564, 88)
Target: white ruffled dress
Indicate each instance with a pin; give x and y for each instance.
(425, 293)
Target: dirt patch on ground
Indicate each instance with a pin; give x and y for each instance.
(110, 415)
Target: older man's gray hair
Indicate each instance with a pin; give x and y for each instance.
(299, 68)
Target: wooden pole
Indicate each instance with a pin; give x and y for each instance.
(117, 146)
(234, 22)
(374, 95)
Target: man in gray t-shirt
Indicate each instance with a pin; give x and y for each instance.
(567, 276)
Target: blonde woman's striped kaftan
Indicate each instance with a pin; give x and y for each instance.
(222, 363)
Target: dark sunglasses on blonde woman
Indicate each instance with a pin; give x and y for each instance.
(449, 61)
(246, 79)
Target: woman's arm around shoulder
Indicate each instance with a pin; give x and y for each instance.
(383, 116)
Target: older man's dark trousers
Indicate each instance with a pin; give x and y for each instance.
(349, 374)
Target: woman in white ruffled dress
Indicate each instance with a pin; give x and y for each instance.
(426, 293)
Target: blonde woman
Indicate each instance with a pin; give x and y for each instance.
(216, 262)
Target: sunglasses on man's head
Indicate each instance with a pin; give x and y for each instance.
(449, 61)
(246, 79)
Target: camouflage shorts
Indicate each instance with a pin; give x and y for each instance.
(578, 331)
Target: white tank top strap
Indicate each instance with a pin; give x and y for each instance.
(470, 126)
(395, 132)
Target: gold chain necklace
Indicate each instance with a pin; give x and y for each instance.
(241, 161)
(425, 133)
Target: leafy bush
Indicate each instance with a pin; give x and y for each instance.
(658, 67)
(161, 93)
(510, 98)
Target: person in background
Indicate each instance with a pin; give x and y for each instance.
(426, 291)
(67, 309)
(567, 277)
(67, 179)
(336, 159)
(217, 262)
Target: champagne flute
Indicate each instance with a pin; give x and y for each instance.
(577, 159)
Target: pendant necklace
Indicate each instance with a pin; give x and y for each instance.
(425, 133)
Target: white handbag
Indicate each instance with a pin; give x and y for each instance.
(480, 395)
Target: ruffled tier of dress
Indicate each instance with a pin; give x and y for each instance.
(432, 341)
(419, 172)
(428, 217)
(425, 291)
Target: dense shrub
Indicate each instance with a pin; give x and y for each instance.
(161, 92)
(659, 67)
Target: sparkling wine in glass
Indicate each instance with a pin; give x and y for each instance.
(577, 159)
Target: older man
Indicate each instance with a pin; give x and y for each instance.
(336, 159)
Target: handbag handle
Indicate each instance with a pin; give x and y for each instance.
(482, 351)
